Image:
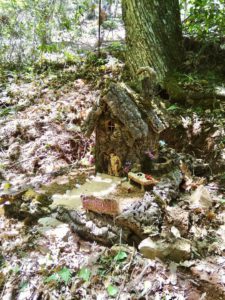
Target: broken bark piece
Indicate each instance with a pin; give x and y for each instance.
(142, 179)
(142, 217)
(168, 187)
(176, 216)
(101, 206)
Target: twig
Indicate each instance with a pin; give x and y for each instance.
(99, 27)
(138, 278)
(125, 278)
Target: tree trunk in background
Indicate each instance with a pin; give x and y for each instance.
(153, 35)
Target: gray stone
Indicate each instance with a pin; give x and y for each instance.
(201, 198)
(178, 251)
(152, 249)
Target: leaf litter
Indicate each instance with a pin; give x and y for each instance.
(41, 140)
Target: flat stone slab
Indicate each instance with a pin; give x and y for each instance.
(51, 228)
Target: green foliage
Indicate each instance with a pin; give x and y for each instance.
(23, 286)
(84, 274)
(117, 49)
(16, 269)
(33, 27)
(70, 57)
(121, 255)
(112, 290)
(63, 275)
(173, 107)
(204, 19)
(110, 25)
(2, 260)
(7, 186)
(5, 111)
(94, 60)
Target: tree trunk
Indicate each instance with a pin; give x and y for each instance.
(153, 35)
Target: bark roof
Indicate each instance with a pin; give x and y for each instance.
(122, 107)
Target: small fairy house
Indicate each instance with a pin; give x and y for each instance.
(126, 130)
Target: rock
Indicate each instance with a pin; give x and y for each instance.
(25, 204)
(14, 150)
(61, 232)
(175, 232)
(32, 195)
(162, 166)
(178, 251)
(49, 222)
(152, 249)
(177, 217)
(201, 199)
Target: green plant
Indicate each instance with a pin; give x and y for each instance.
(7, 186)
(94, 60)
(16, 269)
(28, 28)
(84, 274)
(110, 25)
(23, 286)
(120, 256)
(70, 57)
(173, 107)
(63, 275)
(112, 290)
(117, 49)
(2, 261)
(204, 19)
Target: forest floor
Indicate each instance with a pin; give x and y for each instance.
(42, 144)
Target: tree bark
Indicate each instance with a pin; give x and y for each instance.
(153, 35)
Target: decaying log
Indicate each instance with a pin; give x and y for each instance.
(94, 226)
